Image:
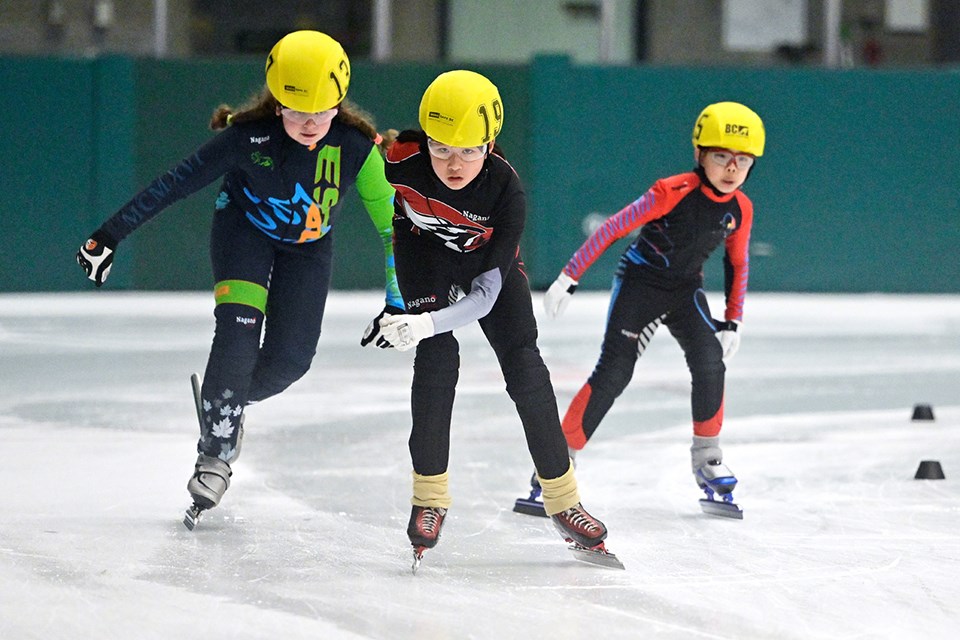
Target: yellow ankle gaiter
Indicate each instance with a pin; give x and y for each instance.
(559, 494)
(431, 491)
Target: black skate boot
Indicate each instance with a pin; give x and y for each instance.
(424, 530)
(211, 479)
(579, 527)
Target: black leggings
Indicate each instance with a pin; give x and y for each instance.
(427, 275)
(634, 305)
(239, 370)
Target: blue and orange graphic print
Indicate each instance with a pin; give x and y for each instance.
(274, 216)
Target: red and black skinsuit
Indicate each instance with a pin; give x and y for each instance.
(457, 256)
(682, 220)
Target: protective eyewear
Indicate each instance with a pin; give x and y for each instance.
(723, 158)
(301, 117)
(442, 151)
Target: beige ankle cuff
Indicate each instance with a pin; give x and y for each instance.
(431, 491)
(559, 494)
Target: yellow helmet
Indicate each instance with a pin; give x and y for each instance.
(461, 109)
(730, 125)
(308, 71)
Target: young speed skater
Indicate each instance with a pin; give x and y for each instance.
(286, 159)
(460, 211)
(659, 279)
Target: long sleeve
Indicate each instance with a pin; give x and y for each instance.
(190, 175)
(736, 261)
(650, 206)
(377, 196)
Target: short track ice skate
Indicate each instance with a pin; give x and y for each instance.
(585, 535)
(211, 479)
(532, 505)
(211, 476)
(597, 555)
(716, 479)
(424, 530)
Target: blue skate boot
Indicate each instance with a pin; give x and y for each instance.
(714, 478)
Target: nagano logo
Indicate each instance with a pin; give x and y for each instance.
(415, 304)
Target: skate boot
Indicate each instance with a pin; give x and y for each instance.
(532, 505)
(579, 527)
(424, 530)
(715, 477)
(586, 535)
(424, 526)
(706, 462)
(211, 479)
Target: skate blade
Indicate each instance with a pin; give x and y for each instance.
(417, 558)
(722, 509)
(597, 555)
(192, 517)
(198, 403)
(530, 507)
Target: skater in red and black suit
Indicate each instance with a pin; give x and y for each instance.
(459, 214)
(682, 220)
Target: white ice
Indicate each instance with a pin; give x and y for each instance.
(838, 540)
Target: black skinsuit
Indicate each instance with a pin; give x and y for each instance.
(449, 243)
(682, 220)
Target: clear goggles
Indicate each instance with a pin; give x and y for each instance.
(723, 158)
(442, 151)
(301, 117)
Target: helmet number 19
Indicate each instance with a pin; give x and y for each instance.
(497, 116)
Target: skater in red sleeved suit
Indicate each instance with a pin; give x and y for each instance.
(659, 279)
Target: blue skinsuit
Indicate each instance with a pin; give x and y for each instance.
(271, 251)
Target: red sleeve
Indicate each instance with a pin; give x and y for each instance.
(657, 202)
(738, 258)
(400, 151)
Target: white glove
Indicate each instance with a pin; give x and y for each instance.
(558, 295)
(729, 337)
(403, 331)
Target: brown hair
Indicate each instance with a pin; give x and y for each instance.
(258, 107)
(263, 105)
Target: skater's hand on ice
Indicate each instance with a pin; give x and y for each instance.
(558, 296)
(729, 337)
(372, 331)
(95, 257)
(406, 330)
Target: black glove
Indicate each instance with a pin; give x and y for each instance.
(729, 337)
(373, 329)
(725, 325)
(95, 256)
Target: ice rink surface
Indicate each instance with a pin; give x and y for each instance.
(838, 540)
